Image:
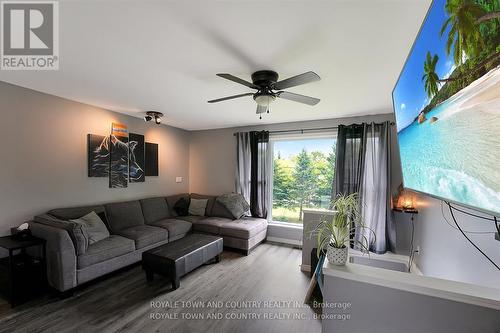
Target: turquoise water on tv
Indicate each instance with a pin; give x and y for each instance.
(457, 157)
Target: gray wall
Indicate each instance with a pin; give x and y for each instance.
(445, 253)
(44, 155)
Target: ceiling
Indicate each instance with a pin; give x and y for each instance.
(133, 56)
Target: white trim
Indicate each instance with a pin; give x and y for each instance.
(322, 212)
(284, 241)
(388, 256)
(287, 224)
(325, 134)
(430, 286)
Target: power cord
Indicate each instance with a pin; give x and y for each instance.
(465, 235)
(466, 231)
(471, 214)
(412, 252)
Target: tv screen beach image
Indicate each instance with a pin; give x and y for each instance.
(447, 105)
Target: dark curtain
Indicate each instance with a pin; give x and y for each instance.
(259, 192)
(362, 166)
(349, 160)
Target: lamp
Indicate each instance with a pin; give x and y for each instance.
(150, 115)
(405, 201)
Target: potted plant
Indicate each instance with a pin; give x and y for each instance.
(336, 233)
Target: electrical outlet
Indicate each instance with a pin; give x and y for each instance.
(178, 179)
(417, 250)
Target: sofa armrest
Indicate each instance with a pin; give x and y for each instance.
(60, 255)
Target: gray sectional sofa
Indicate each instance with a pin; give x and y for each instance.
(134, 227)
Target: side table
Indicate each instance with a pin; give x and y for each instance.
(22, 275)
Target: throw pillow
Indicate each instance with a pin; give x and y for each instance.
(197, 207)
(181, 207)
(93, 226)
(234, 203)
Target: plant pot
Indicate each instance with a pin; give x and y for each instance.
(336, 256)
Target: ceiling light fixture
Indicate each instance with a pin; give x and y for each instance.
(153, 115)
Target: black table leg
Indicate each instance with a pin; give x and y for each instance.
(176, 282)
(12, 295)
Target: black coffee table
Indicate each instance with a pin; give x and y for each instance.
(180, 257)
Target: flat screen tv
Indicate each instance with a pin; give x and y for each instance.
(447, 105)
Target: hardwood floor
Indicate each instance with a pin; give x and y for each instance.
(125, 302)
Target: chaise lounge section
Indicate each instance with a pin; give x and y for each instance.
(134, 227)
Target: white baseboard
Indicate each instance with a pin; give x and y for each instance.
(285, 241)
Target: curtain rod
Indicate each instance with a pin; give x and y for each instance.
(302, 130)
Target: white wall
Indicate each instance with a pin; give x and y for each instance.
(445, 253)
(43, 161)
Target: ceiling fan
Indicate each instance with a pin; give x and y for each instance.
(268, 88)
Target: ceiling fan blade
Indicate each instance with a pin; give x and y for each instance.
(297, 80)
(298, 98)
(261, 109)
(229, 97)
(238, 80)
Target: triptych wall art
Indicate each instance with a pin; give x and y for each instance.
(122, 157)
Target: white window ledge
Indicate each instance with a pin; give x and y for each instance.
(287, 224)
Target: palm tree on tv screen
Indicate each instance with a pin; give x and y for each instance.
(464, 33)
(430, 78)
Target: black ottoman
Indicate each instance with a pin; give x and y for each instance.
(180, 257)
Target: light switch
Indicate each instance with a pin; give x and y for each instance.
(178, 179)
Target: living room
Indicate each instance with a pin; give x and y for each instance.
(175, 166)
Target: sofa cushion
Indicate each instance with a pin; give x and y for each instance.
(218, 210)
(181, 207)
(155, 209)
(93, 227)
(75, 230)
(175, 227)
(77, 212)
(122, 215)
(198, 207)
(172, 199)
(245, 228)
(210, 201)
(144, 235)
(210, 225)
(105, 249)
(190, 218)
(235, 203)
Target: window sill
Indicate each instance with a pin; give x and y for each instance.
(287, 224)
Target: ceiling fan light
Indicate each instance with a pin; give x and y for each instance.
(264, 100)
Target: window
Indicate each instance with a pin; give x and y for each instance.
(303, 174)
